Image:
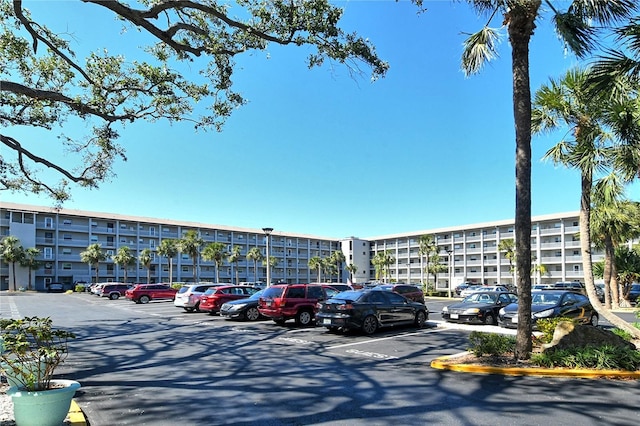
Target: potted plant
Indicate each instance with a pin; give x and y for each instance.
(32, 350)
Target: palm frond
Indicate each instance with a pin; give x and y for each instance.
(603, 11)
(576, 33)
(479, 48)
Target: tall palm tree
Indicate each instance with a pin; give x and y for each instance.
(435, 266)
(234, 257)
(381, 262)
(337, 257)
(577, 27)
(614, 221)
(145, 258)
(190, 244)
(328, 268)
(216, 252)
(427, 246)
(352, 268)
(256, 256)
(93, 255)
(124, 258)
(168, 248)
(603, 130)
(273, 263)
(11, 252)
(30, 261)
(315, 264)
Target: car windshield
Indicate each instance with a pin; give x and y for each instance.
(545, 299)
(257, 295)
(480, 298)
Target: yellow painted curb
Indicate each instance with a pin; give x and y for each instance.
(75, 416)
(439, 364)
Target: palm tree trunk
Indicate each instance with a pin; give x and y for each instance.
(609, 257)
(521, 24)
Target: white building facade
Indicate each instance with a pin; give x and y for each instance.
(468, 253)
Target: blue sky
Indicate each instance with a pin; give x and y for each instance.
(324, 153)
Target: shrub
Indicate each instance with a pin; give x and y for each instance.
(623, 334)
(491, 344)
(601, 357)
(547, 326)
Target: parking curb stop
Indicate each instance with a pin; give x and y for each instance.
(75, 417)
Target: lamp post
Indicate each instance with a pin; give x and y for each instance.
(267, 232)
(449, 251)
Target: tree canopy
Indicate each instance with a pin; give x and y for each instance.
(46, 88)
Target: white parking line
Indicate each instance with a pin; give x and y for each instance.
(364, 342)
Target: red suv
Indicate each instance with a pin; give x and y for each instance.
(411, 292)
(213, 298)
(143, 293)
(283, 302)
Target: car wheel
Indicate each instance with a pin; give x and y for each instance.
(114, 296)
(197, 307)
(304, 318)
(188, 309)
(144, 299)
(370, 325)
(252, 314)
(421, 318)
(594, 320)
(490, 319)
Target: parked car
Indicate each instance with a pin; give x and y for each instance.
(369, 310)
(245, 309)
(552, 304)
(480, 307)
(144, 293)
(95, 288)
(189, 295)
(634, 294)
(338, 286)
(469, 290)
(215, 297)
(113, 290)
(411, 292)
(293, 301)
(55, 287)
(459, 288)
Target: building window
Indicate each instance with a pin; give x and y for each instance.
(48, 253)
(152, 230)
(66, 222)
(66, 251)
(185, 269)
(66, 266)
(48, 222)
(94, 238)
(66, 236)
(48, 237)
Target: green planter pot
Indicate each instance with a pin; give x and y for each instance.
(43, 408)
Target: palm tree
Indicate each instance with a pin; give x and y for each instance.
(124, 258)
(315, 264)
(256, 256)
(337, 257)
(328, 268)
(145, 258)
(613, 221)
(615, 65)
(508, 248)
(11, 252)
(381, 261)
(352, 268)
(578, 29)
(273, 261)
(435, 266)
(427, 247)
(30, 260)
(603, 130)
(217, 253)
(93, 255)
(168, 248)
(234, 258)
(190, 244)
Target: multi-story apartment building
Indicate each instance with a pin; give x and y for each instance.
(61, 235)
(468, 253)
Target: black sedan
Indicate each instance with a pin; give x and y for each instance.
(246, 309)
(552, 304)
(480, 308)
(369, 310)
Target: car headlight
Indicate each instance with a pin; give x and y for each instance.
(501, 312)
(471, 311)
(445, 309)
(543, 314)
(234, 307)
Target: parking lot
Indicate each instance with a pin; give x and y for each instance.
(157, 364)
